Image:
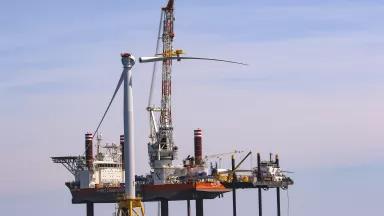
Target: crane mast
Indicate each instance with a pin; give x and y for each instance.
(166, 129)
(161, 148)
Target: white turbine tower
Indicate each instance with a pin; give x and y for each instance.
(129, 156)
(129, 202)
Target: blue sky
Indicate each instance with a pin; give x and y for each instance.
(313, 93)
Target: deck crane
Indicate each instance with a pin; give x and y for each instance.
(161, 147)
(221, 155)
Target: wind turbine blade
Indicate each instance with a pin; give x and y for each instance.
(150, 59)
(161, 58)
(155, 63)
(210, 59)
(110, 102)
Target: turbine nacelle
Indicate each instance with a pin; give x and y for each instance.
(127, 59)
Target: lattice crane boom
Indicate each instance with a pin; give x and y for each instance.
(166, 129)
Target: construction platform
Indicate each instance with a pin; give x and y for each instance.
(148, 193)
(265, 185)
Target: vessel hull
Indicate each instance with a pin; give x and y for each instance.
(148, 193)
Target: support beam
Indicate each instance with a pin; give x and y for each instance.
(260, 203)
(89, 208)
(124, 212)
(233, 186)
(188, 207)
(199, 207)
(259, 189)
(278, 201)
(278, 189)
(164, 207)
